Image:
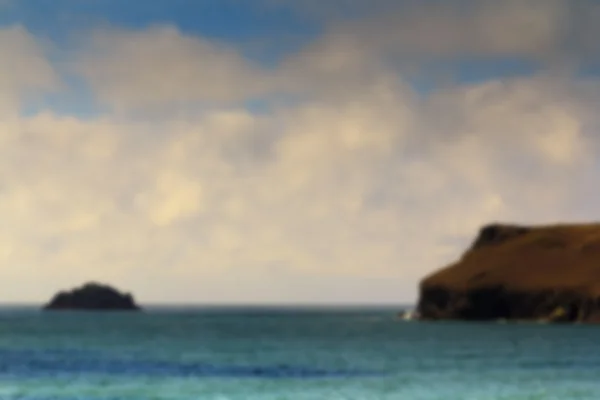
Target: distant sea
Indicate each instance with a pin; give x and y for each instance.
(289, 353)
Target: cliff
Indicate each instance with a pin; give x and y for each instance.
(92, 296)
(511, 272)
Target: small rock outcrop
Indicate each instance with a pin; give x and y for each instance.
(511, 272)
(92, 296)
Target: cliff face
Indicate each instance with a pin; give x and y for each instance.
(549, 273)
(92, 296)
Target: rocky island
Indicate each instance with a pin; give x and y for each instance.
(511, 272)
(92, 296)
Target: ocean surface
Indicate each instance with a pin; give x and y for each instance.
(278, 354)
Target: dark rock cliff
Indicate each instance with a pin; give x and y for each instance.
(511, 272)
(92, 296)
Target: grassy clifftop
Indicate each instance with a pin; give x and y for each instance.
(520, 272)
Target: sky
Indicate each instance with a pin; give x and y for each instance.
(285, 152)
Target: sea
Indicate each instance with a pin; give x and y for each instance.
(262, 353)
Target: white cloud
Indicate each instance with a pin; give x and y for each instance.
(24, 69)
(161, 67)
(158, 66)
(343, 191)
(175, 197)
(408, 35)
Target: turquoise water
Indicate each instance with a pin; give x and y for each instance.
(259, 354)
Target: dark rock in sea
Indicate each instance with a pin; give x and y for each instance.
(92, 296)
(510, 272)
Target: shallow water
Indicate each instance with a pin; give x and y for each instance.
(288, 354)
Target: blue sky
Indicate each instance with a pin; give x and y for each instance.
(278, 28)
(283, 152)
(265, 31)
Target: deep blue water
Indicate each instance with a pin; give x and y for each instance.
(289, 354)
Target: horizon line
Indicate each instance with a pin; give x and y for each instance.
(237, 305)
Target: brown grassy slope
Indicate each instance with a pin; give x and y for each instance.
(553, 257)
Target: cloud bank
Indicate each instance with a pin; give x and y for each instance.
(347, 184)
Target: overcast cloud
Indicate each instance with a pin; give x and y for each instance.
(349, 186)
